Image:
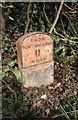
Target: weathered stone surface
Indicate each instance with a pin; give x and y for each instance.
(37, 78)
(35, 59)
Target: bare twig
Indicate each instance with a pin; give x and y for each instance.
(13, 49)
(8, 11)
(56, 19)
(64, 29)
(58, 33)
(66, 38)
(10, 89)
(74, 38)
(28, 18)
(66, 112)
(75, 114)
(10, 6)
(46, 16)
(70, 23)
(68, 7)
(73, 12)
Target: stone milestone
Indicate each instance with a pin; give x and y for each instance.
(35, 59)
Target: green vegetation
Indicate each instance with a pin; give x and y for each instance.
(61, 101)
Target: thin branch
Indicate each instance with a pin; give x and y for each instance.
(28, 18)
(56, 19)
(58, 33)
(46, 16)
(73, 12)
(13, 49)
(8, 11)
(10, 6)
(10, 89)
(68, 7)
(74, 38)
(64, 29)
(66, 112)
(70, 23)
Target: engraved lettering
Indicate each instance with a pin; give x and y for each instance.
(37, 39)
(37, 52)
(37, 45)
(33, 61)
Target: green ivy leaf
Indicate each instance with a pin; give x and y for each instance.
(6, 69)
(12, 63)
(17, 73)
